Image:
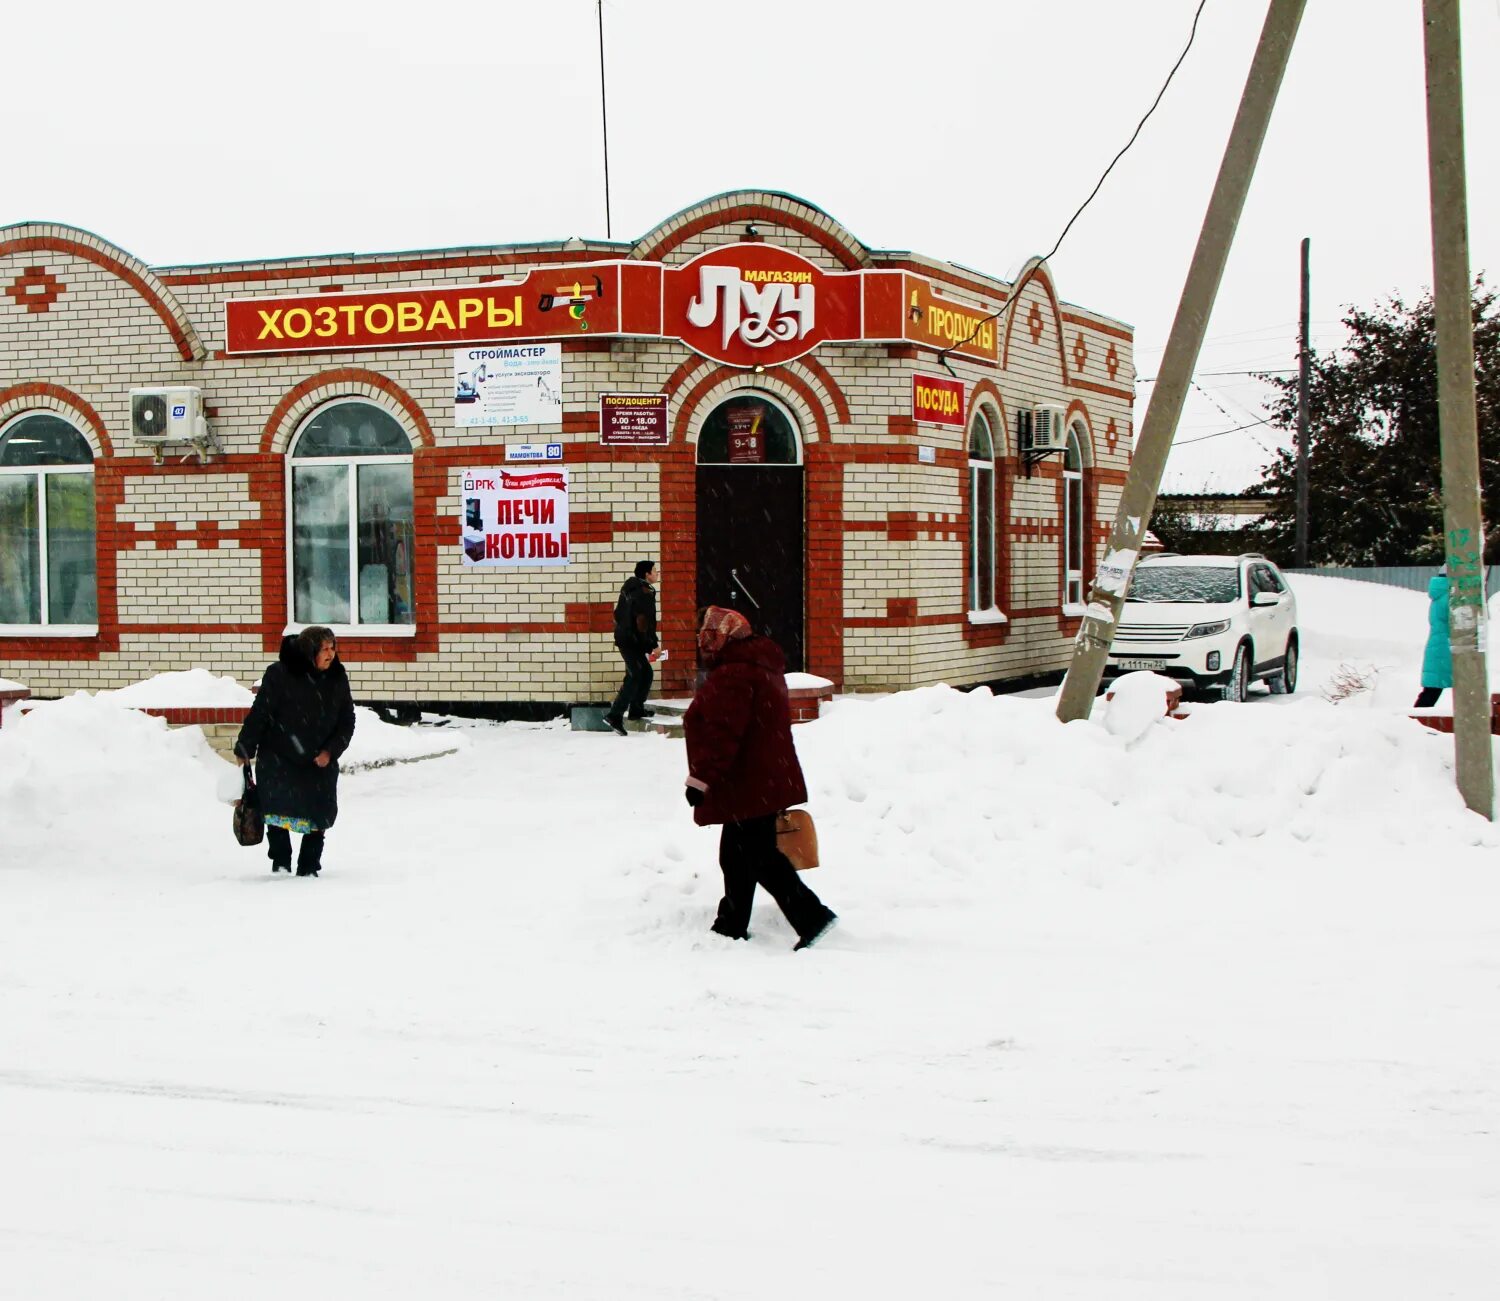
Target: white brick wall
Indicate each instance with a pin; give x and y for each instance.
(100, 338)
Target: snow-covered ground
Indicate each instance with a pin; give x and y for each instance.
(1203, 1009)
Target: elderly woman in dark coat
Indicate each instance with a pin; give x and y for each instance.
(301, 721)
(743, 771)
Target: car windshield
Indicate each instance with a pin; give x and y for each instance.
(1189, 584)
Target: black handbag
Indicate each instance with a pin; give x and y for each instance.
(249, 821)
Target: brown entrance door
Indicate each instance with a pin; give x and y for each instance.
(750, 548)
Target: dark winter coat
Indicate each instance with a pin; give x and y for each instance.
(298, 713)
(635, 616)
(1437, 655)
(739, 736)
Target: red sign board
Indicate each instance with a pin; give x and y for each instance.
(633, 420)
(944, 323)
(759, 305)
(745, 304)
(937, 401)
(564, 302)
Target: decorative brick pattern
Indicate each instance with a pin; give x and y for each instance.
(193, 558)
(35, 289)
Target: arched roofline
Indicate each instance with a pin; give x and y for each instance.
(770, 206)
(1035, 270)
(52, 237)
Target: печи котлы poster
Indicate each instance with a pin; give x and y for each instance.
(514, 517)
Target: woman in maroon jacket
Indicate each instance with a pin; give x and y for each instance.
(743, 771)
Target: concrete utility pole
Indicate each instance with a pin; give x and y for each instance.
(1458, 426)
(1181, 358)
(1304, 367)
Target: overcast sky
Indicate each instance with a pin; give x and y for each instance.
(190, 132)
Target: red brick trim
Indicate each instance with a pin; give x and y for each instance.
(823, 551)
(680, 376)
(1040, 276)
(901, 612)
(1087, 384)
(159, 300)
(724, 374)
(1114, 331)
(24, 289)
(672, 237)
(344, 381)
(182, 715)
(18, 393)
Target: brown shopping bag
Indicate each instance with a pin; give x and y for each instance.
(249, 821)
(797, 838)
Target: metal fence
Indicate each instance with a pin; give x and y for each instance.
(1413, 577)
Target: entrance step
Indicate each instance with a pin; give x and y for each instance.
(667, 721)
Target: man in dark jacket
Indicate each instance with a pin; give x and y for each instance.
(635, 639)
(743, 771)
(302, 720)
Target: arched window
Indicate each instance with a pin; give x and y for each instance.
(748, 429)
(48, 570)
(981, 514)
(351, 494)
(1073, 539)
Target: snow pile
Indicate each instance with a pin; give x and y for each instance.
(83, 776)
(377, 743)
(76, 765)
(1136, 701)
(939, 784)
(1357, 632)
(804, 681)
(7, 685)
(190, 689)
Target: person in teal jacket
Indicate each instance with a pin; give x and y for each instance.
(1437, 658)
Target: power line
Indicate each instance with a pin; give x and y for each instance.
(1253, 424)
(1015, 292)
(1210, 374)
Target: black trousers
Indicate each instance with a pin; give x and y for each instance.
(748, 856)
(309, 853)
(637, 684)
(1428, 697)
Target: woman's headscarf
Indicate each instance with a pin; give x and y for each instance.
(719, 627)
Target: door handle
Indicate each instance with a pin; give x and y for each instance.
(735, 574)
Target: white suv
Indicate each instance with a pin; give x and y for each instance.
(1215, 623)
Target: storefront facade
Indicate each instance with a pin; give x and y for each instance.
(456, 457)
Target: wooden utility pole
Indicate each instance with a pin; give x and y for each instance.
(1458, 427)
(1304, 368)
(1180, 359)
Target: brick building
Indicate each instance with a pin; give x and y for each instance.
(832, 437)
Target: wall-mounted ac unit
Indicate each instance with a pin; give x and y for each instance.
(167, 415)
(1048, 429)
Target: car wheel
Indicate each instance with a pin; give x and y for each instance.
(1238, 685)
(1285, 682)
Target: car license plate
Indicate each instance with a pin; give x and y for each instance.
(1129, 662)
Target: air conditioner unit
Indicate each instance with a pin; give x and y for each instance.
(167, 415)
(1048, 430)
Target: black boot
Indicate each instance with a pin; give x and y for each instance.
(310, 855)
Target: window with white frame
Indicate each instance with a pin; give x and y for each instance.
(1073, 522)
(981, 514)
(48, 562)
(352, 522)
